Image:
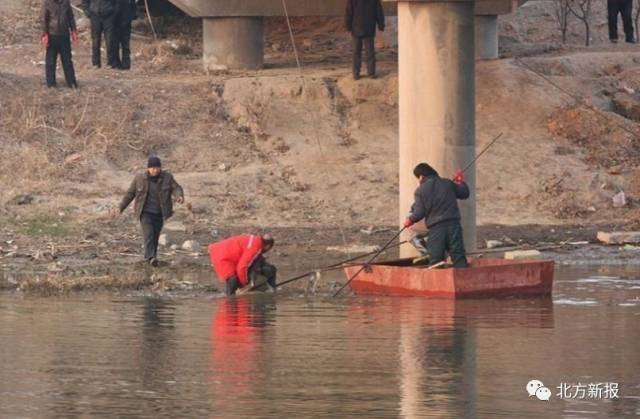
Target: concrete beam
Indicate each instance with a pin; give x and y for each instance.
(227, 8)
(213, 8)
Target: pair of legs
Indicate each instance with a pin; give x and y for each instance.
(624, 7)
(151, 228)
(60, 45)
(259, 268)
(368, 44)
(122, 44)
(103, 25)
(446, 238)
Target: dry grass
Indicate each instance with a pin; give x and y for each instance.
(53, 284)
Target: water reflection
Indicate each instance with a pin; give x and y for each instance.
(237, 339)
(285, 356)
(438, 345)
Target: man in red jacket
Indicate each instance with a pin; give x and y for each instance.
(237, 259)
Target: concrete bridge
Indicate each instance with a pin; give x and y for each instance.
(233, 30)
(438, 40)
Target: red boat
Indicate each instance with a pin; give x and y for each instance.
(484, 278)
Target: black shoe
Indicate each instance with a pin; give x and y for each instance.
(153, 262)
(630, 41)
(73, 86)
(356, 76)
(52, 86)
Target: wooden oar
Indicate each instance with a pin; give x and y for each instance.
(369, 262)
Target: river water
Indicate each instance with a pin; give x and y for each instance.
(135, 356)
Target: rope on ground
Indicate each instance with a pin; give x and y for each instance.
(578, 100)
(302, 78)
(293, 41)
(153, 29)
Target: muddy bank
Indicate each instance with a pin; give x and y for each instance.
(117, 265)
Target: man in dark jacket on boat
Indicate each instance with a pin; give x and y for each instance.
(152, 193)
(436, 202)
(361, 18)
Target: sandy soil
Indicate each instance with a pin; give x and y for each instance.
(307, 157)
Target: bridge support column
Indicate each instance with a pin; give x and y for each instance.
(437, 98)
(487, 37)
(233, 43)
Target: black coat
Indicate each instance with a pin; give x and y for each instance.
(139, 189)
(436, 200)
(100, 8)
(127, 12)
(362, 16)
(57, 17)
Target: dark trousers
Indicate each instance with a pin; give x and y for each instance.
(59, 45)
(446, 238)
(151, 228)
(625, 7)
(357, 55)
(100, 25)
(259, 267)
(123, 40)
(263, 268)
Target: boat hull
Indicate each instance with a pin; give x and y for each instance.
(484, 278)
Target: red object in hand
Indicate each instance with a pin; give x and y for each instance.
(458, 177)
(408, 223)
(74, 36)
(45, 40)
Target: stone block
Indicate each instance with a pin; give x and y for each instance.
(522, 254)
(619, 237)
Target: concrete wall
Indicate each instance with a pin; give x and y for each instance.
(228, 8)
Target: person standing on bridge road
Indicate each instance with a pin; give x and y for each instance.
(624, 7)
(102, 14)
(127, 12)
(361, 18)
(436, 201)
(152, 191)
(239, 261)
(58, 29)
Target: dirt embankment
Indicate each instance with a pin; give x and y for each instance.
(270, 150)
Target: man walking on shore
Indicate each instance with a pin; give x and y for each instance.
(152, 191)
(361, 18)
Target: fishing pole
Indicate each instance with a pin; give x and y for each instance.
(335, 266)
(482, 152)
(370, 260)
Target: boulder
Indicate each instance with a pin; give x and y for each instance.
(175, 226)
(191, 246)
(627, 105)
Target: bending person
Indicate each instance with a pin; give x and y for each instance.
(239, 261)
